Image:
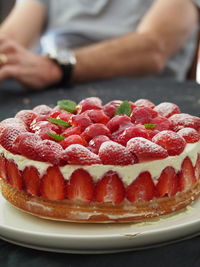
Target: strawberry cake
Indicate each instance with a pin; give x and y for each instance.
(88, 162)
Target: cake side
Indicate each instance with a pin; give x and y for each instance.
(173, 189)
(124, 161)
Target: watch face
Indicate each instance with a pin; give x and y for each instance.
(66, 57)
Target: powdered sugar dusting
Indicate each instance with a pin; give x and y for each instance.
(127, 173)
(166, 109)
(185, 120)
(143, 147)
(78, 154)
(113, 153)
(171, 141)
(189, 134)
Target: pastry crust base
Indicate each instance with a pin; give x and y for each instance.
(94, 212)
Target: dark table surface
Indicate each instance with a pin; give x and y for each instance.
(187, 95)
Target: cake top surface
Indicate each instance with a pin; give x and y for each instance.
(87, 133)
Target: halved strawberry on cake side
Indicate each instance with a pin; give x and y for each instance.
(123, 161)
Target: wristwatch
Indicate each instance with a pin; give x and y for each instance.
(66, 60)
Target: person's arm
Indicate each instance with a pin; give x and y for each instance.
(18, 32)
(160, 34)
(25, 22)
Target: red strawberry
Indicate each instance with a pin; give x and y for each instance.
(89, 103)
(27, 116)
(186, 175)
(31, 180)
(110, 189)
(145, 103)
(13, 122)
(142, 188)
(167, 183)
(64, 115)
(183, 120)
(171, 141)
(80, 155)
(55, 114)
(71, 131)
(44, 134)
(80, 120)
(73, 139)
(39, 118)
(162, 123)
(49, 151)
(189, 134)
(167, 109)
(53, 185)
(80, 186)
(132, 104)
(119, 121)
(96, 142)
(145, 149)
(197, 168)
(111, 107)
(8, 137)
(142, 115)
(151, 133)
(3, 173)
(44, 126)
(14, 175)
(112, 153)
(128, 133)
(95, 130)
(42, 110)
(97, 116)
(26, 144)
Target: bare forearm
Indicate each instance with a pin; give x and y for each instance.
(131, 55)
(24, 23)
(160, 34)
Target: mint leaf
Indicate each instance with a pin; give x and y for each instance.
(124, 108)
(56, 137)
(59, 122)
(67, 105)
(150, 126)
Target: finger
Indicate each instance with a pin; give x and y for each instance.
(3, 38)
(21, 75)
(10, 59)
(8, 46)
(9, 71)
(3, 59)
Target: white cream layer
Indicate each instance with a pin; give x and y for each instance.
(127, 173)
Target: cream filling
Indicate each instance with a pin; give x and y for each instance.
(127, 173)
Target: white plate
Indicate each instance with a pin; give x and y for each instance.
(29, 231)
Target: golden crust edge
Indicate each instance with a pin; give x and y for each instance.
(94, 212)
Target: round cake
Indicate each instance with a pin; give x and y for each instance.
(88, 162)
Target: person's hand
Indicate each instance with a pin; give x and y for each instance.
(31, 70)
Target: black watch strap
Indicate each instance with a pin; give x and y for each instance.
(66, 68)
(66, 73)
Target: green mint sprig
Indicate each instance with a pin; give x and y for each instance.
(149, 126)
(56, 137)
(67, 105)
(59, 122)
(124, 109)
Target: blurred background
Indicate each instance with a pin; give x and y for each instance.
(6, 6)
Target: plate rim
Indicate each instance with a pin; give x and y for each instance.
(140, 238)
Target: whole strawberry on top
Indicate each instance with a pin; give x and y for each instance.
(73, 133)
